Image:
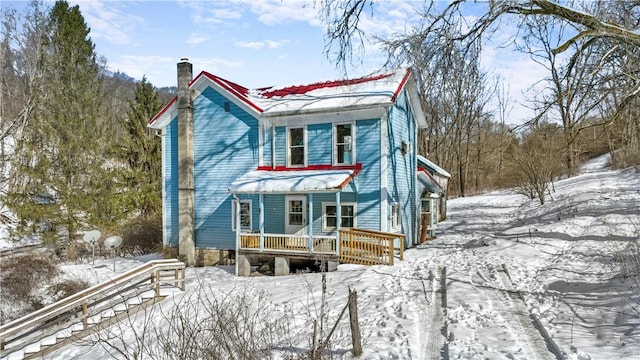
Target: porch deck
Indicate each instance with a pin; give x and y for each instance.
(357, 246)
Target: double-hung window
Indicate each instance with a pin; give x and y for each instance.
(395, 216)
(245, 215)
(343, 144)
(296, 147)
(330, 216)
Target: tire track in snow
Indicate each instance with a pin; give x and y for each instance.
(436, 345)
(538, 345)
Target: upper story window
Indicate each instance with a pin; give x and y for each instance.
(296, 140)
(344, 144)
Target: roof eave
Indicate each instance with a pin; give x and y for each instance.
(414, 99)
(351, 108)
(204, 80)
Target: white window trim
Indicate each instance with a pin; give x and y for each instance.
(233, 214)
(305, 142)
(325, 228)
(396, 223)
(335, 143)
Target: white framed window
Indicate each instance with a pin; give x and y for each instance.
(396, 216)
(296, 147)
(330, 216)
(344, 144)
(425, 206)
(245, 215)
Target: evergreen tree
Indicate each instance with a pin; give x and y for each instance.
(60, 156)
(141, 152)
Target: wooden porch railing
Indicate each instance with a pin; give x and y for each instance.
(368, 247)
(288, 243)
(357, 246)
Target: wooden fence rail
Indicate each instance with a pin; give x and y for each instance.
(368, 247)
(89, 302)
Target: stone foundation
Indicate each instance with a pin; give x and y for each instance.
(204, 257)
(211, 257)
(169, 252)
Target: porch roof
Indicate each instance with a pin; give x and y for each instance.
(293, 181)
(429, 182)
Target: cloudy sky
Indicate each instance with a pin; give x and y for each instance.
(255, 43)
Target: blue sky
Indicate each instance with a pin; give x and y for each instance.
(255, 43)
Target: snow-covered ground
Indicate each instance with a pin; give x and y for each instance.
(557, 257)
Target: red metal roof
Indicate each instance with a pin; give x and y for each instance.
(303, 89)
(243, 94)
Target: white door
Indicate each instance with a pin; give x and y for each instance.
(295, 214)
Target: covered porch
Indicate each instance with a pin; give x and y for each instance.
(300, 188)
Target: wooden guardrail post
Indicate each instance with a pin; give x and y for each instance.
(157, 283)
(85, 314)
(183, 279)
(353, 322)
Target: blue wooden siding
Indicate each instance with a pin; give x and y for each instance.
(170, 201)
(319, 143)
(402, 174)
(225, 147)
(274, 214)
(368, 180)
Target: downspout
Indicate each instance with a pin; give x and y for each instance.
(186, 193)
(236, 201)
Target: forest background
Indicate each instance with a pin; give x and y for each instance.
(76, 152)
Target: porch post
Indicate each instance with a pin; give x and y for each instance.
(310, 222)
(261, 220)
(338, 221)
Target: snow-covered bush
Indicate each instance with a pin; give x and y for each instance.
(30, 282)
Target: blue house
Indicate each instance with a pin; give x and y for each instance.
(277, 170)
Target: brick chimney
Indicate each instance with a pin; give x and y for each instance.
(186, 237)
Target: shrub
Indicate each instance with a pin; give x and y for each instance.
(142, 235)
(30, 282)
(24, 280)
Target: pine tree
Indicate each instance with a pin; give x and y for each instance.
(60, 156)
(141, 152)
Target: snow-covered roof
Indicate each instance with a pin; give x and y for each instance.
(429, 182)
(372, 91)
(290, 181)
(433, 167)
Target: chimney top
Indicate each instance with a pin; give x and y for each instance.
(184, 59)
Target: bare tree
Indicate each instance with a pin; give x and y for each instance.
(20, 50)
(597, 47)
(342, 18)
(570, 93)
(535, 161)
